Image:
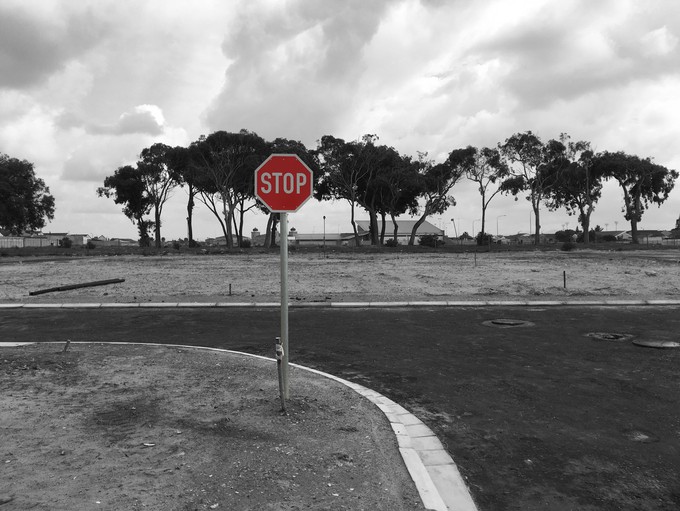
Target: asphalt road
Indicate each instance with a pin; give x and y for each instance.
(538, 416)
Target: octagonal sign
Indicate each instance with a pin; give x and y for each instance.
(283, 183)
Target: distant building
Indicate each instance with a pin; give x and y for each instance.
(103, 241)
(222, 241)
(404, 228)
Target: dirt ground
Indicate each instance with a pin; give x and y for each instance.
(648, 274)
(116, 427)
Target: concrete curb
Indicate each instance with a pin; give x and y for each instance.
(345, 305)
(437, 478)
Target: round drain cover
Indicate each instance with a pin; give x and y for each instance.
(507, 323)
(657, 344)
(609, 336)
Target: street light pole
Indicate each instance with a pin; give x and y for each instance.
(499, 216)
(324, 236)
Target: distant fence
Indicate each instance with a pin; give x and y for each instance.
(19, 242)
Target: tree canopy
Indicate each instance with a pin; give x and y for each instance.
(641, 180)
(525, 154)
(127, 187)
(25, 200)
(574, 184)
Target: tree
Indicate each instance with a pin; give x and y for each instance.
(524, 153)
(186, 174)
(127, 187)
(25, 201)
(160, 178)
(574, 184)
(642, 181)
(397, 188)
(226, 162)
(436, 181)
(487, 169)
(349, 170)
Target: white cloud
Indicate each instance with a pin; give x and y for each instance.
(659, 42)
(85, 86)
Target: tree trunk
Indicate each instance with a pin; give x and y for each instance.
(190, 213)
(240, 230)
(396, 227)
(382, 228)
(226, 225)
(228, 222)
(584, 219)
(634, 230)
(537, 225)
(373, 220)
(357, 241)
(157, 227)
(481, 238)
(417, 225)
(271, 236)
(586, 230)
(267, 236)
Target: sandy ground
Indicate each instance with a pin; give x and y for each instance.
(112, 427)
(644, 274)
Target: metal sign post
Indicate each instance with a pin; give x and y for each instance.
(283, 183)
(284, 304)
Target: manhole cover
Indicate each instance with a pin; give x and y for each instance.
(609, 336)
(657, 344)
(507, 323)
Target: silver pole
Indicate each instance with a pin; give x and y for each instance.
(284, 302)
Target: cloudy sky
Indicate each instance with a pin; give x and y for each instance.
(86, 85)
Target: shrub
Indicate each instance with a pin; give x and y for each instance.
(66, 242)
(484, 238)
(430, 240)
(568, 246)
(176, 245)
(391, 243)
(90, 245)
(245, 243)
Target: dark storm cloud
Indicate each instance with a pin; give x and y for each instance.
(31, 48)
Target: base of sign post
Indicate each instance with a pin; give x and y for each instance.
(279, 359)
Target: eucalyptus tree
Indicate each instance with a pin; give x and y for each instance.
(25, 201)
(397, 189)
(436, 182)
(524, 153)
(574, 184)
(348, 171)
(160, 178)
(127, 187)
(487, 171)
(641, 180)
(225, 163)
(187, 175)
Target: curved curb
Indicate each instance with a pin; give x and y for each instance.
(344, 305)
(437, 478)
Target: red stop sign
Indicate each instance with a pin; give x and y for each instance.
(283, 183)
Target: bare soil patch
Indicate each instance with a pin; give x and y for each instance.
(341, 277)
(168, 428)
